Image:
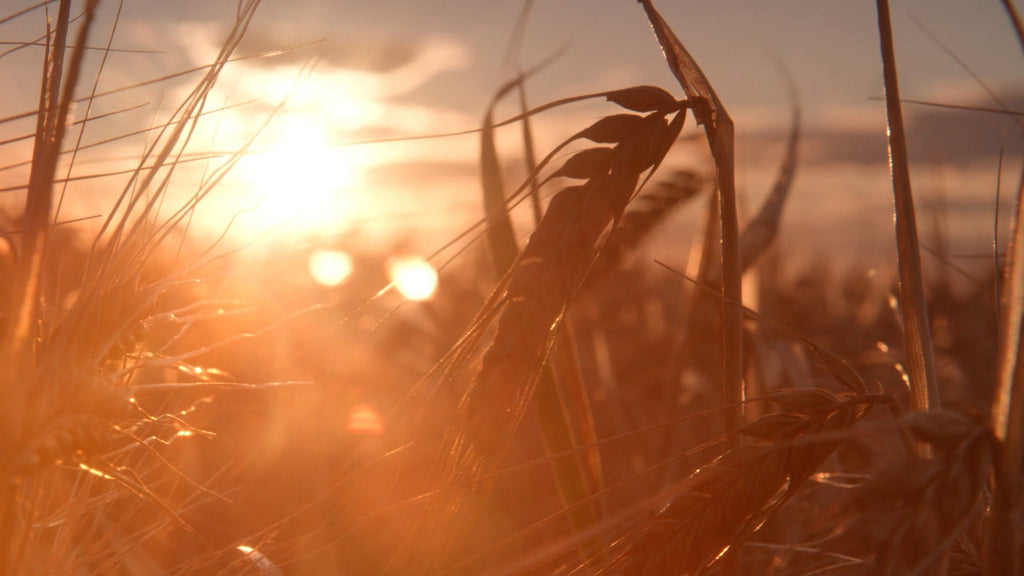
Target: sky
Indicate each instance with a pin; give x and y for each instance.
(395, 68)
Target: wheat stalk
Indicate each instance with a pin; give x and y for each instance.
(719, 129)
(540, 285)
(721, 504)
(75, 441)
(920, 353)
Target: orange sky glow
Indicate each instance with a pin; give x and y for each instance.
(400, 69)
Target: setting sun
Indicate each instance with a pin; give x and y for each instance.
(302, 178)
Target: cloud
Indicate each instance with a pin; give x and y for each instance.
(383, 66)
(374, 55)
(413, 174)
(964, 137)
(357, 90)
(935, 137)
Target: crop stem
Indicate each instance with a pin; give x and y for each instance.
(924, 394)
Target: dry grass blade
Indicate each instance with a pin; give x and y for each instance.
(206, 68)
(1002, 554)
(122, 136)
(529, 155)
(501, 238)
(924, 390)
(68, 414)
(180, 160)
(21, 312)
(1015, 18)
(1002, 109)
(1014, 114)
(761, 231)
(763, 228)
(54, 105)
(85, 120)
(88, 109)
(132, 213)
(719, 129)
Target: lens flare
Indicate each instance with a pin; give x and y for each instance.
(363, 419)
(413, 276)
(330, 267)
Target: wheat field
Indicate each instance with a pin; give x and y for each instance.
(553, 402)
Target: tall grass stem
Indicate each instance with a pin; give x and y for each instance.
(924, 393)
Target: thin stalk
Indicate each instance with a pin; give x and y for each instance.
(19, 342)
(719, 129)
(1015, 19)
(530, 156)
(924, 393)
(1002, 553)
(38, 202)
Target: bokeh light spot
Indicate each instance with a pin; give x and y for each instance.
(363, 419)
(413, 276)
(330, 267)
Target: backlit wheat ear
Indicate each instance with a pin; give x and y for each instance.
(544, 279)
(650, 209)
(575, 477)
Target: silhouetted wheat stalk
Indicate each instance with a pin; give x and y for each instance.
(544, 279)
(650, 209)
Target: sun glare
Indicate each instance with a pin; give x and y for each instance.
(330, 267)
(413, 276)
(302, 178)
